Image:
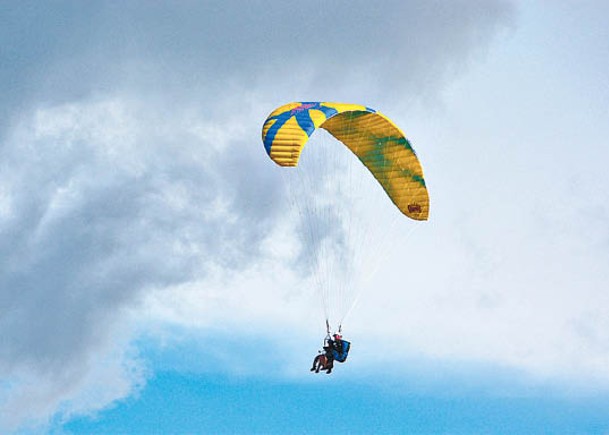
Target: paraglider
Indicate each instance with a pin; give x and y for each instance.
(333, 350)
(380, 146)
(376, 141)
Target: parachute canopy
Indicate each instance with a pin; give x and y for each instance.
(377, 142)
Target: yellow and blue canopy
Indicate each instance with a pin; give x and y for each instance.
(376, 141)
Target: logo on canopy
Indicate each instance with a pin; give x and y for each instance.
(414, 208)
(303, 107)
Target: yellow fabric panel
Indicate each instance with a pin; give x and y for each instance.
(318, 117)
(288, 144)
(344, 107)
(384, 150)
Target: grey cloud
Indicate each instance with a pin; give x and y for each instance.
(61, 51)
(94, 222)
(87, 236)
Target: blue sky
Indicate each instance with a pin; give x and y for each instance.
(186, 393)
(223, 405)
(151, 273)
